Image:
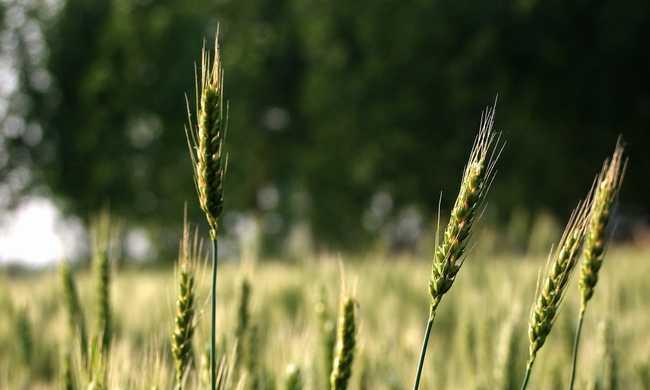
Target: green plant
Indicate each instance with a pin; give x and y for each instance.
(608, 185)
(101, 242)
(205, 144)
(450, 253)
(184, 321)
(67, 377)
(345, 345)
(293, 378)
(327, 328)
(560, 266)
(76, 320)
(25, 336)
(243, 319)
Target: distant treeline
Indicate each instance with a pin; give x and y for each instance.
(343, 115)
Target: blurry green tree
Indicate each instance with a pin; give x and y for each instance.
(332, 102)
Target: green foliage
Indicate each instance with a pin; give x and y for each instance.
(334, 102)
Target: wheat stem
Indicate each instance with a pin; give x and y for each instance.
(425, 343)
(529, 369)
(576, 344)
(213, 325)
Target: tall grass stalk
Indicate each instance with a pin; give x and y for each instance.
(608, 185)
(450, 253)
(205, 143)
(560, 266)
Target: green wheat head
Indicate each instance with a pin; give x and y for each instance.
(102, 268)
(608, 185)
(477, 177)
(327, 325)
(206, 138)
(345, 345)
(184, 321)
(561, 264)
(76, 320)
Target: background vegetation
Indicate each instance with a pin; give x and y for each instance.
(347, 118)
(479, 339)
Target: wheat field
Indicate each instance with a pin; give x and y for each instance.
(478, 341)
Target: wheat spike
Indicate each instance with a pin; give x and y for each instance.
(184, 321)
(76, 320)
(101, 242)
(560, 266)
(608, 185)
(206, 138)
(345, 345)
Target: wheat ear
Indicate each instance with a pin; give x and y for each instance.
(450, 253)
(205, 144)
(76, 321)
(345, 345)
(608, 185)
(560, 266)
(184, 321)
(101, 243)
(327, 325)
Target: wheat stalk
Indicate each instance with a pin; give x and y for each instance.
(76, 321)
(209, 163)
(327, 327)
(450, 253)
(560, 266)
(101, 242)
(608, 185)
(184, 321)
(345, 345)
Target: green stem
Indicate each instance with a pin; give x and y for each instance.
(425, 343)
(213, 360)
(529, 368)
(576, 344)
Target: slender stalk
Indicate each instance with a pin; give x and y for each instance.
(425, 344)
(529, 368)
(576, 344)
(213, 360)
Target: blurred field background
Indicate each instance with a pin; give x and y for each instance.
(347, 121)
(479, 340)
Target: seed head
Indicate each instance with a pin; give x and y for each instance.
(184, 323)
(206, 138)
(560, 265)
(477, 177)
(345, 344)
(608, 184)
